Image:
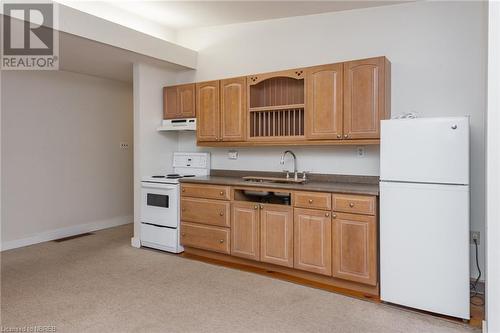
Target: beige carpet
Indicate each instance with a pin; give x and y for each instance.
(99, 283)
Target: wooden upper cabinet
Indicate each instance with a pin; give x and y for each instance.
(245, 230)
(312, 241)
(276, 106)
(324, 107)
(187, 101)
(233, 109)
(276, 235)
(366, 97)
(179, 101)
(207, 110)
(355, 248)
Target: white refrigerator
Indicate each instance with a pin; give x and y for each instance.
(424, 214)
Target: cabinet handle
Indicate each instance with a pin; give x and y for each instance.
(221, 241)
(221, 213)
(327, 214)
(310, 201)
(351, 204)
(346, 136)
(334, 216)
(255, 207)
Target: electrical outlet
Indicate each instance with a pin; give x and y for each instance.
(360, 151)
(475, 235)
(123, 145)
(232, 155)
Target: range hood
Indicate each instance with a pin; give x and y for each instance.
(188, 124)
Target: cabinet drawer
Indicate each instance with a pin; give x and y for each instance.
(205, 211)
(205, 237)
(205, 191)
(354, 204)
(313, 200)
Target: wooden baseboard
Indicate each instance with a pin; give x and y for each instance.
(288, 274)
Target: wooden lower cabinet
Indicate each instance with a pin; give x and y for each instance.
(206, 211)
(205, 237)
(205, 191)
(355, 248)
(245, 230)
(313, 241)
(336, 247)
(276, 234)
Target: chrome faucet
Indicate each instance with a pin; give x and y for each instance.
(282, 162)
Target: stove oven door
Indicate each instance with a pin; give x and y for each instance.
(160, 204)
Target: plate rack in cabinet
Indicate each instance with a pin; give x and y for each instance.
(276, 106)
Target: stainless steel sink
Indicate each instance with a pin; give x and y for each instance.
(273, 180)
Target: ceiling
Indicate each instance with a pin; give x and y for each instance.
(194, 14)
(82, 55)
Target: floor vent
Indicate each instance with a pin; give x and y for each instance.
(72, 237)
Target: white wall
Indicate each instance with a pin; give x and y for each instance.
(152, 149)
(493, 167)
(438, 55)
(62, 170)
(340, 160)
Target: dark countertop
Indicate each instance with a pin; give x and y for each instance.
(354, 187)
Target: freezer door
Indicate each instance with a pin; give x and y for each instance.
(424, 247)
(425, 150)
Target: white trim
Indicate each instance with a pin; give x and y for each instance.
(135, 242)
(66, 232)
(492, 174)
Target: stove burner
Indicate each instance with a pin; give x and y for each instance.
(173, 175)
(189, 176)
(158, 176)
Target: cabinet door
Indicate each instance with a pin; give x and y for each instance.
(324, 102)
(233, 109)
(207, 111)
(170, 110)
(186, 100)
(245, 230)
(364, 98)
(312, 235)
(276, 235)
(355, 248)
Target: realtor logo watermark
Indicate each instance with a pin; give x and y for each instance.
(30, 39)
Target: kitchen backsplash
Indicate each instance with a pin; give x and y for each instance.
(333, 160)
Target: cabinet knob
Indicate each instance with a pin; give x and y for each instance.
(221, 241)
(327, 214)
(334, 216)
(339, 136)
(255, 207)
(221, 192)
(183, 234)
(183, 209)
(183, 190)
(221, 213)
(351, 204)
(261, 206)
(310, 201)
(346, 136)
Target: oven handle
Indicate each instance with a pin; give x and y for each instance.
(160, 186)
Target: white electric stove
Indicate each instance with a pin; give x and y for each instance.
(160, 207)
